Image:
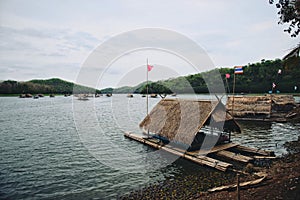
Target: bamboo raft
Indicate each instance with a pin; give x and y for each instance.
(229, 151)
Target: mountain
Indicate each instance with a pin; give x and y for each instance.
(53, 85)
(257, 78)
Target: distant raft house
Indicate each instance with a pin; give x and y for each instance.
(189, 122)
(279, 108)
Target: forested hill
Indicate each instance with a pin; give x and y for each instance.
(49, 86)
(257, 78)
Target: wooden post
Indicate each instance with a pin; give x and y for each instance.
(238, 187)
(147, 89)
(233, 90)
(228, 89)
(147, 85)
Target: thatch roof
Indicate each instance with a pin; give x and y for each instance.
(283, 99)
(257, 105)
(179, 120)
(249, 105)
(293, 53)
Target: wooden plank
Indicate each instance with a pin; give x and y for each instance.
(265, 157)
(234, 156)
(242, 185)
(213, 150)
(202, 160)
(254, 150)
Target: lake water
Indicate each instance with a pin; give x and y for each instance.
(60, 148)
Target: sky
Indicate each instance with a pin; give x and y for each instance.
(52, 38)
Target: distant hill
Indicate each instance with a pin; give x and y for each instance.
(49, 86)
(257, 78)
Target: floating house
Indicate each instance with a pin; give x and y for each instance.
(190, 122)
(197, 130)
(280, 108)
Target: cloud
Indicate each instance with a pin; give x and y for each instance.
(41, 48)
(54, 33)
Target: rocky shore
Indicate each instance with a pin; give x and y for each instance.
(282, 182)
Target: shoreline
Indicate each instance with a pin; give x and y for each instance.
(282, 182)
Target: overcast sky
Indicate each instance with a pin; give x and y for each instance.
(49, 38)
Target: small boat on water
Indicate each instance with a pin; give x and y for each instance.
(83, 98)
(129, 95)
(36, 97)
(109, 94)
(143, 95)
(153, 95)
(25, 95)
(51, 95)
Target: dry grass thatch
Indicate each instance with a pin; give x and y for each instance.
(257, 105)
(282, 99)
(179, 120)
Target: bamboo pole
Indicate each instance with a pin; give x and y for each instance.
(238, 187)
(233, 90)
(147, 89)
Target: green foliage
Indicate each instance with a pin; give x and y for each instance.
(156, 88)
(107, 91)
(289, 13)
(257, 78)
(54, 85)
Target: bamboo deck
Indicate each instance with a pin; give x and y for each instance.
(202, 157)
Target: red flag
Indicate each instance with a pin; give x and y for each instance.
(227, 76)
(149, 67)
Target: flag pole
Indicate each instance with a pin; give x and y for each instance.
(233, 90)
(147, 90)
(228, 89)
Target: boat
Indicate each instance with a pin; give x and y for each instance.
(51, 95)
(25, 95)
(143, 95)
(35, 96)
(82, 97)
(129, 95)
(109, 94)
(153, 95)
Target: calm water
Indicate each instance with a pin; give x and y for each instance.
(57, 148)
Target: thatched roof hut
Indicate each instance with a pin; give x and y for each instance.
(259, 106)
(180, 120)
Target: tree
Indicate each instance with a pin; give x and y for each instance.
(289, 13)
